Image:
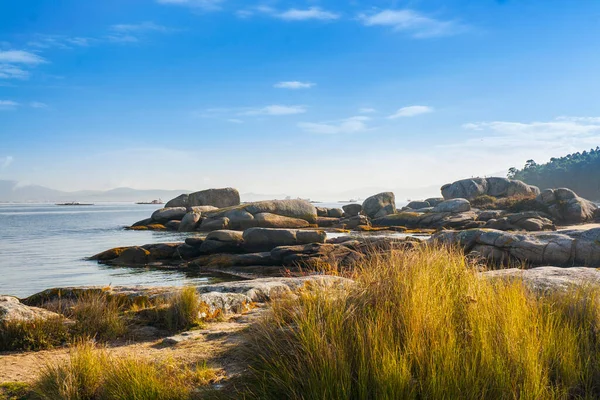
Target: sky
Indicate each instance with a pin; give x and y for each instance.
(309, 98)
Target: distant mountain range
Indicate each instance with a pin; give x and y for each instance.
(13, 192)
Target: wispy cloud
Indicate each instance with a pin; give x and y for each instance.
(235, 121)
(412, 22)
(20, 57)
(8, 105)
(6, 161)
(355, 124)
(275, 109)
(147, 26)
(131, 33)
(8, 71)
(293, 14)
(208, 5)
(38, 104)
(42, 41)
(411, 111)
(366, 110)
(294, 85)
(315, 13)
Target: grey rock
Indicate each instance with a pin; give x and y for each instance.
(566, 207)
(144, 222)
(164, 215)
(493, 186)
(456, 205)
(434, 201)
(216, 246)
(549, 279)
(380, 205)
(350, 210)
(417, 204)
(229, 236)
(213, 224)
(264, 239)
(173, 225)
(268, 220)
(11, 309)
(335, 213)
(239, 218)
(201, 209)
(194, 241)
(179, 201)
(189, 222)
(221, 198)
(353, 222)
(321, 211)
(187, 252)
(327, 222)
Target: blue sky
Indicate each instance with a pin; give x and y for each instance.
(310, 98)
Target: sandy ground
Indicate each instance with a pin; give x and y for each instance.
(212, 344)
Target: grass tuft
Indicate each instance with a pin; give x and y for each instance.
(92, 373)
(33, 335)
(424, 324)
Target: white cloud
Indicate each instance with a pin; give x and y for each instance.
(38, 104)
(520, 132)
(201, 4)
(310, 13)
(6, 161)
(8, 105)
(235, 121)
(367, 110)
(349, 125)
(411, 111)
(8, 71)
(275, 110)
(141, 27)
(58, 41)
(294, 85)
(418, 25)
(20, 57)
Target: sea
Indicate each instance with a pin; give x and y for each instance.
(45, 245)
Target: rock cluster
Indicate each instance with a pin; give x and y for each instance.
(253, 247)
(566, 207)
(496, 187)
(561, 249)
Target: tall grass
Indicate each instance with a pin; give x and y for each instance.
(38, 334)
(93, 374)
(424, 324)
(178, 312)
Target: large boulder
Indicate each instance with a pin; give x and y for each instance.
(418, 204)
(301, 209)
(497, 187)
(561, 249)
(268, 220)
(350, 210)
(213, 224)
(380, 205)
(265, 239)
(179, 201)
(220, 198)
(11, 309)
(452, 206)
(566, 207)
(189, 222)
(316, 254)
(164, 215)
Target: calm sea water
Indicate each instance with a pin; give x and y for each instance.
(44, 246)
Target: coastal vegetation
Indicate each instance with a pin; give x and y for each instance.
(92, 373)
(425, 324)
(577, 171)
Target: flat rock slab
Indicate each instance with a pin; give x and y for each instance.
(228, 297)
(11, 309)
(545, 279)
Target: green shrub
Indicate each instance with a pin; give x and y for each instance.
(97, 315)
(33, 335)
(424, 325)
(180, 312)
